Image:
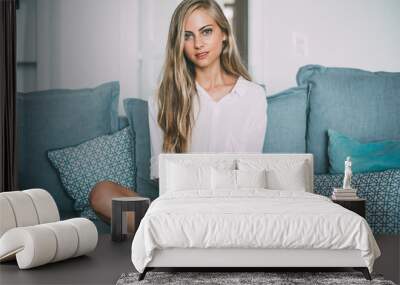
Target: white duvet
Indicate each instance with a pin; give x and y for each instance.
(251, 218)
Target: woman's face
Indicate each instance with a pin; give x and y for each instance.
(203, 39)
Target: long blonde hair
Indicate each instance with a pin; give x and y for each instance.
(177, 90)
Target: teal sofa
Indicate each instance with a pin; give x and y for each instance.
(59, 118)
(361, 104)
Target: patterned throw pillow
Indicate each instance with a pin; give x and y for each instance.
(103, 158)
(380, 189)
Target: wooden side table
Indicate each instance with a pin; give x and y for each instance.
(357, 206)
(120, 206)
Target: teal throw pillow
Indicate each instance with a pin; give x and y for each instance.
(366, 157)
(103, 158)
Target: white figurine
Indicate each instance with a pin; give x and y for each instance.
(347, 174)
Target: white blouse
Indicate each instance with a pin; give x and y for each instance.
(236, 123)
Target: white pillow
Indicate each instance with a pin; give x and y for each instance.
(251, 178)
(236, 179)
(192, 174)
(282, 174)
(187, 177)
(294, 180)
(223, 179)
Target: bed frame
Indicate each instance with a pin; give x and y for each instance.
(242, 259)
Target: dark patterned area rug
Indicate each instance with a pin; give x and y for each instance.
(273, 278)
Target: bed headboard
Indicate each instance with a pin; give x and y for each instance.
(164, 158)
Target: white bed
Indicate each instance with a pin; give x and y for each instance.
(248, 227)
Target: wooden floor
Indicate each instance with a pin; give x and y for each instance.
(389, 262)
(111, 259)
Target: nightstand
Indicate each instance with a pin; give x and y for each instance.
(357, 206)
(122, 205)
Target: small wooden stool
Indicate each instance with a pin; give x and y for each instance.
(119, 227)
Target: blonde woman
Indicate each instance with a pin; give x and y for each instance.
(206, 101)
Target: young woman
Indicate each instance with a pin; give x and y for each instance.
(206, 101)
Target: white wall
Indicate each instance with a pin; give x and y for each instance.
(154, 19)
(83, 43)
(349, 33)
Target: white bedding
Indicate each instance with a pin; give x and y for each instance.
(251, 218)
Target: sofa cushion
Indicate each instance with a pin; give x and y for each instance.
(380, 189)
(103, 158)
(366, 157)
(137, 112)
(122, 122)
(352, 101)
(55, 119)
(287, 121)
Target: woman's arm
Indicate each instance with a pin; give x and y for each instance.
(156, 138)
